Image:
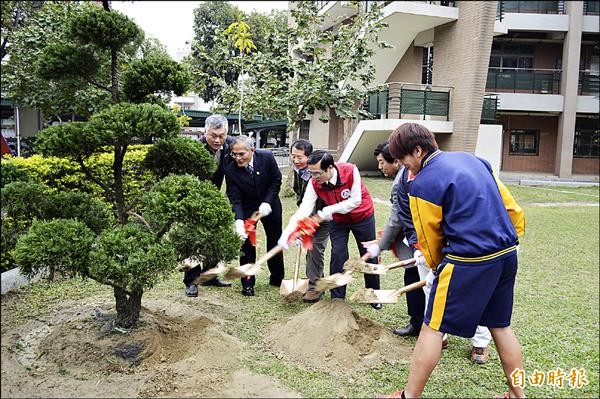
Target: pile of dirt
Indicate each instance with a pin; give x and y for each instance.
(331, 336)
(175, 350)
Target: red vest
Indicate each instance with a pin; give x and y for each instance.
(341, 192)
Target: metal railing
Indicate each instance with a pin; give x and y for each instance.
(489, 111)
(524, 80)
(534, 7)
(500, 11)
(409, 100)
(589, 83)
(320, 4)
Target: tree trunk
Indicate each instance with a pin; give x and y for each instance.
(128, 307)
(118, 176)
(115, 75)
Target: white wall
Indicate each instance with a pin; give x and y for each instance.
(319, 131)
(489, 145)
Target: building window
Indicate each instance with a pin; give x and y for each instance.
(305, 130)
(587, 138)
(524, 142)
(427, 70)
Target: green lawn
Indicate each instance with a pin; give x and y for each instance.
(556, 313)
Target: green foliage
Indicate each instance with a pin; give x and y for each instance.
(324, 71)
(14, 16)
(129, 257)
(71, 140)
(108, 30)
(24, 200)
(12, 173)
(180, 155)
(81, 206)
(121, 124)
(19, 75)
(60, 245)
(196, 215)
(67, 60)
(155, 73)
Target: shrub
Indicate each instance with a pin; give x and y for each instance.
(196, 216)
(11, 173)
(180, 155)
(60, 245)
(81, 206)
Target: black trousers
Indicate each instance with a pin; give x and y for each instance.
(190, 275)
(415, 300)
(339, 234)
(272, 226)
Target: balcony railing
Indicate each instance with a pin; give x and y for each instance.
(533, 7)
(591, 7)
(320, 4)
(410, 101)
(524, 80)
(589, 83)
(489, 112)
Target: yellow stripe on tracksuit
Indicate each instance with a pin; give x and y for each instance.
(427, 219)
(441, 293)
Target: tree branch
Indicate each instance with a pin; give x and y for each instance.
(98, 85)
(141, 218)
(108, 193)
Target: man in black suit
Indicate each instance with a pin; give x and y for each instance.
(253, 183)
(217, 142)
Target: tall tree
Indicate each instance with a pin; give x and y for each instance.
(322, 70)
(211, 55)
(14, 16)
(184, 216)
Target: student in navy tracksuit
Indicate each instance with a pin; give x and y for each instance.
(348, 206)
(253, 182)
(468, 226)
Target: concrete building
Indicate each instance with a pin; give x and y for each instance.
(515, 82)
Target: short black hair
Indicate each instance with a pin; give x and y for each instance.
(321, 156)
(384, 150)
(303, 145)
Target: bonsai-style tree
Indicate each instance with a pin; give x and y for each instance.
(180, 217)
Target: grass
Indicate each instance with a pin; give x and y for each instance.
(556, 311)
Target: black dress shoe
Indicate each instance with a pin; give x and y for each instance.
(377, 306)
(216, 282)
(248, 291)
(191, 291)
(408, 331)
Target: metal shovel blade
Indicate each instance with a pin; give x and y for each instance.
(287, 286)
(334, 281)
(210, 273)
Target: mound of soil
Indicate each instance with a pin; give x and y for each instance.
(174, 351)
(331, 336)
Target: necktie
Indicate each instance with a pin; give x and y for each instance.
(250, 169)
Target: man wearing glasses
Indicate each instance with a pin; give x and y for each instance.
(348, 206)
(217, 142)
(253, 183)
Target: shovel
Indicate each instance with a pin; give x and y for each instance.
(338, 279)
(251, 269)
(295, 286)
(369, 295)
(360, 266)
(210, 274)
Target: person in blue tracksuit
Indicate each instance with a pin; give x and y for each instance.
(468, 227)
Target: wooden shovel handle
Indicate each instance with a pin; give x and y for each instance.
(297, 268)
(402, 263)
(409, 288)
(256, 216)
(274, 251)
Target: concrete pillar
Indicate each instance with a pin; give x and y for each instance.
(568, 88)
(461, 56)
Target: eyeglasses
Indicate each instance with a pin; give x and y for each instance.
(317, 173)
(238, 154)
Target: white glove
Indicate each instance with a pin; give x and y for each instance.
(373, 250)
(265, 209)
(419, 259)
(518, 249)
(325, 214)
(283, 240)
(240, 230)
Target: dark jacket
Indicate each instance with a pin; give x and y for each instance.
(219, 174)
(300, 188)
(246, 192)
